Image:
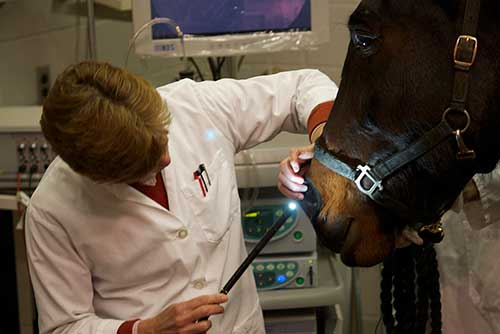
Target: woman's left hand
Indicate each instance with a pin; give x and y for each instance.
(292, 170)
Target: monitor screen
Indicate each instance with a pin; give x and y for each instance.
(217, 17)
(228, 27)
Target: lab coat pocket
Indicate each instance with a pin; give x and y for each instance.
(214, 208)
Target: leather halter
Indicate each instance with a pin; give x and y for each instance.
(370, 176)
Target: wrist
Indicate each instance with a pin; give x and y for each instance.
(318, 117)
(145, 327)
(317, 132)
(135, 329)
(127, 327)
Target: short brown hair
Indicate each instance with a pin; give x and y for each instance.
(105, 122)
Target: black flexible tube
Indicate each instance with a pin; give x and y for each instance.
(253, 254)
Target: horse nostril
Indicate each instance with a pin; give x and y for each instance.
(341, 224)
(334, 231)
(342, 219)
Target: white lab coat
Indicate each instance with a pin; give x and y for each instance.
(100, 254)
(469, 262)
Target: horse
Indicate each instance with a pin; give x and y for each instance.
(396, 93)
(416, 116)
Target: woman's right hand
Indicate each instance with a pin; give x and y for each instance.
(184, 317)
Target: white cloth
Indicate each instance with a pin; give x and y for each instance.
(100, 254)
(468, 262)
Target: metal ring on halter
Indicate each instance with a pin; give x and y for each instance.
(466, 116)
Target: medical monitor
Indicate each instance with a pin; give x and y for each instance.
(230, 27)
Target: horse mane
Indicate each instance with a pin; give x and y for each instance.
(410, 274)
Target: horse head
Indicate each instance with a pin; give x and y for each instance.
(416, 116)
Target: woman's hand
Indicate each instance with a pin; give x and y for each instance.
(183, 317)
(292, 170)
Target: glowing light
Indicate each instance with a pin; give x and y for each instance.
(210, 134)
(281, 278)
(252, 214)
(292, 205)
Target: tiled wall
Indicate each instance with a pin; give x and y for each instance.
(35, 33)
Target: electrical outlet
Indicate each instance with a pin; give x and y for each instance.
(42, 82)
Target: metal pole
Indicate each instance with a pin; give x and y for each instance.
(91, 30)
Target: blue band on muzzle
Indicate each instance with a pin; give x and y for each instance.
(312, 202)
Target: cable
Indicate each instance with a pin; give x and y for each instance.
(198, 71)
(216, 66)
(33, 169)
(150, 23)
(254, 253)
(356, 298)
(240, 62)
(18, 182)
(213, 68)
(378, 325)
(220, 62)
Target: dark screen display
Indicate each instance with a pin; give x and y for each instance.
(216, 17)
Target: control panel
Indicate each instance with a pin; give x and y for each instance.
(261, 218)
(33, 153)
(295, 236)
(25, 152)
(286, 272)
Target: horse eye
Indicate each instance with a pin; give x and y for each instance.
(364, 41)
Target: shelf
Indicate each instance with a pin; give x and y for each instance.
(122, 5)
(20, 118)
(8, 202)
(330, 290)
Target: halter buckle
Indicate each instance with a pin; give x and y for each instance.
(463, 152)
(465, 51)
(365, 173)
(432, 233)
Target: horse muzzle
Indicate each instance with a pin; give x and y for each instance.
(331, 234)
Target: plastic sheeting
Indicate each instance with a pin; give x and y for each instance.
(230, 27)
